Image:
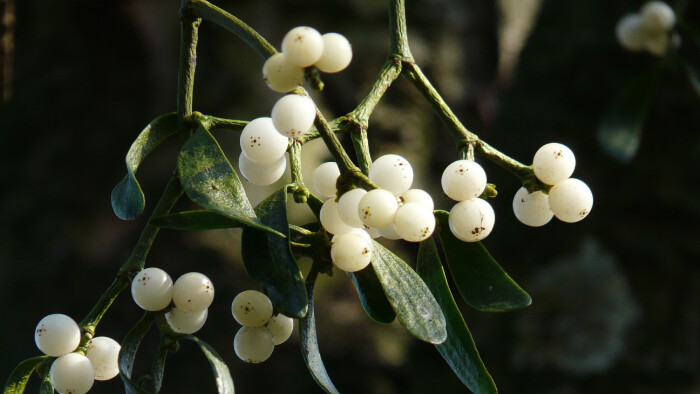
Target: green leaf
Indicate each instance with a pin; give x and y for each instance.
(372, 296)
(269, 259)
(46, 385)
(458, 349)
(415, 307)
(158, 366)
(693, 74)
(480, 280)
(208, 179)
(20, 375)
(195, 220)
(130, 347)
(127, 197)
(620, 129)
(309, 341)
(222, 375)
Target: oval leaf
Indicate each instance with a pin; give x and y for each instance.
(480, 280)
(620, 130)
(222, 375)
(130, 347)
(46, 385)
(195, 220)
(309, 341)
(415, 307)
(269, 259)
(458, 349)
(372, 296)
(20, 375)
(209, 180)
(158, 366)
(127, 197)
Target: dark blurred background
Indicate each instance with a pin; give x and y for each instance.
(616, 300)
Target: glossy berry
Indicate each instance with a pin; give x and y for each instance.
(532, 209)
(184, 322)
(193, 292)
(325, 177)
(463, 179)
(393, 173)
(330, 218)
(56, 335)
(361, 232)
(253, 344)
(419, 196)
(377, 208)
(570, 200)
(337, 53)
(347, 207)
(103, 353)
(72, 374)
(280, 75)
(553, 163)
(302, 46)
(261, 174)
(414, 222)
(152, 289)
(280, 327)
(471, 220)
(261, 142)
(351, 252)
(293, 115)
(251, 308)
(389, 232)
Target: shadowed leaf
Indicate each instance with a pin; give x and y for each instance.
(372, 296)
(458, 349)
(46, 385)
(222, 375)
(480, 280)
(130, 347)
(195, 220)
(20, 375)
(127, 197)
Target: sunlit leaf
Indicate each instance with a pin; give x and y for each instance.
(458, 349)
(309, 341)
(414, 304)
(46, 385)
(482, 283)
(269, 259)
(127, 197)
(130, 347)
(222, 375)
(372, 296)
(20, 375)
(195, 220)
(209, 180)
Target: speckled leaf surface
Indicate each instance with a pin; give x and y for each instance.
(481, 282)
(372, 296)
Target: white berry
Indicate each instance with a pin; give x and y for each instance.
(302, 46)
(56, 335)
(261, 142)
(347, 207)
(420, 196)
(185, 322)
(103, 353)
(251, 308)
(337, 53)
(152, 289)
(351, 252)
(553, 163)
(657, 16)
(658, 43)
(325, 177)
(280, 327)
(72, 374)
(463, 179)
(472, 220)
(630, 34)
(359, 231)
(532, 209)
(293, 115)
(389, 232)
(280, 75)
(377, 208)
(193, 292)
(262, 174)
(393, 173)
(570, 200)
(414, 222)
(253, 344)
(330, 219)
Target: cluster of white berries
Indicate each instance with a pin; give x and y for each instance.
(650, 29)
(261, 331)
(569, 199)
(303, 47)
(153, 290)
(472, 218)
(58, 335)
(394, 210)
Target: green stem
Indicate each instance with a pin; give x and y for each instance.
(189, 30)
(399, 35)
(361, 144)
(387, 75)
(206, 10)
(214, 123)
(341, 157)
(295, 162)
